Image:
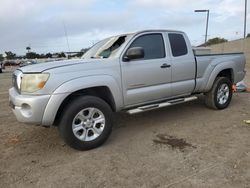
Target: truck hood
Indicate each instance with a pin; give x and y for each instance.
(40, 67)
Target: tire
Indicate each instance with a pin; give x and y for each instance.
(80, 114)
(219, 98)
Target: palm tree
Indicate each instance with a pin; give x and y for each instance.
(28, 48)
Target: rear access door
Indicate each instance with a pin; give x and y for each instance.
(183, 64)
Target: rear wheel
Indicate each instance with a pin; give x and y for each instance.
(219, 97)
(86, 123)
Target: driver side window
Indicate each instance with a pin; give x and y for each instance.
(152, 44)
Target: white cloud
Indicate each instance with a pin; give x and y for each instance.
(163, 3)
(40, 22)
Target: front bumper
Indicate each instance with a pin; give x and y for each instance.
(28, 108)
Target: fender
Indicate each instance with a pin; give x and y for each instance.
(76, 84)
(217, 69)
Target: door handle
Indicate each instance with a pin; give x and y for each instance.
(165, 65)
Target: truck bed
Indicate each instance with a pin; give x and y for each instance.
(205, 64)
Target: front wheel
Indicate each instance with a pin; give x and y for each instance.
(86, 123)
(219, 97)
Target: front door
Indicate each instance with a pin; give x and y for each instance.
(149, 78)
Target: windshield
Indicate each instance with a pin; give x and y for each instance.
(106, 48)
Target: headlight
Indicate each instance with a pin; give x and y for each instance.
(33, 82)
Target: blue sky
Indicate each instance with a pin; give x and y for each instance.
(39, 23)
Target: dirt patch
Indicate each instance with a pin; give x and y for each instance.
(172, 141)
(33, 156)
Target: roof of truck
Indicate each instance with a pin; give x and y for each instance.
(150, 30)
(158, 30)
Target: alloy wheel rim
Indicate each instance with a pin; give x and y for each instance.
(88, 124)
(223, 94)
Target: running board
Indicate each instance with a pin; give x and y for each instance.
(161, 105)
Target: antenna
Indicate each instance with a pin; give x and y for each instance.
(66, 35)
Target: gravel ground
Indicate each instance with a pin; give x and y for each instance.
(186, 145)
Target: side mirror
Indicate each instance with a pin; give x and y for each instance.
(134, 53)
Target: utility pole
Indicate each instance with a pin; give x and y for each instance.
(207, 26)
(206, 22)
(245, 20)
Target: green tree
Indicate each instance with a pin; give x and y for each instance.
(61, 55)
(48, 55)
(32, 55)
(248, 35)
(215, 40)
(84, 50)
(10, 55)
(42, 56)
(28, 49)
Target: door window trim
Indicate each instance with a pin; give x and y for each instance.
(170, 46)
(140, 35)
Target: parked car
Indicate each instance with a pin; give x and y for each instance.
(28, 62)
(130, 72)
(10, 63)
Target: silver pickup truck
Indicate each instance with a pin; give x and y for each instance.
(130, 72)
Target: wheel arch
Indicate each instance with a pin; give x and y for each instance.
(102, 92)
(222, 70)
(103, 86)
(228, 73)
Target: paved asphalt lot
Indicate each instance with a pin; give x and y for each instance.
(186, 145)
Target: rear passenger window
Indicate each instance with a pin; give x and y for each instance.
(152, 44)
(178, 44)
